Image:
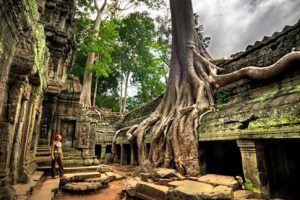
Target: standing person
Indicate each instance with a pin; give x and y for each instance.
(57, 156)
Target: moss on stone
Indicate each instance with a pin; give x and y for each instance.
(1, 48)
(32, 8)
(41, 52)
(250, 186)
(264, 97)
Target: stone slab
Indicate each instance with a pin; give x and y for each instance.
(216, 180)
(46, 192)
(151, 191)
(194, 190)
(27, 188)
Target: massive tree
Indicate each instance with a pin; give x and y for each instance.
(193, 79)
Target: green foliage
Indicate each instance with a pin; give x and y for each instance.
(138, 54)
(125, 45)
(222, 96)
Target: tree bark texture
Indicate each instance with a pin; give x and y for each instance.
(125, 92)
(95, 91)
(85, 97)
(189, 96)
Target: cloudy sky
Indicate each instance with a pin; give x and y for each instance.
(234, 24)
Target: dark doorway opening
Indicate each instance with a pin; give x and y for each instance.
(127, 152)
(135, 154)
(283, 164)
(222, 157)
(108, 148)
(98, 150)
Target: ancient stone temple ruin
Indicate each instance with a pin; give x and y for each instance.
(253, 135)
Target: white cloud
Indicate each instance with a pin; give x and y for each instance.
(234, 24)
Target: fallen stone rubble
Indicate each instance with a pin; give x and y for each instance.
(167, 184)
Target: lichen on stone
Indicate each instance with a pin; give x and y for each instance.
(1, 48)
(250, 186)
(32, 8)
(41, 54)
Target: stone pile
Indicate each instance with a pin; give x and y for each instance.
(89, 182)
(167, 184)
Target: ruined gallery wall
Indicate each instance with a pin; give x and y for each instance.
(259, 109)
(24, 61)
(37, 50)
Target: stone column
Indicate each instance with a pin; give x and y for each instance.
(103, 151)
(254, 167)
(123, 159)
(133, 161)
(146, 151)
(14, 163)
(8, 126)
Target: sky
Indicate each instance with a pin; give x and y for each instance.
(235, 24)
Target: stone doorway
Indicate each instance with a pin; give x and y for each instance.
(67, 131)
(283, 164)
(222, 157)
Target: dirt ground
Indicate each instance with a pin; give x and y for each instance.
(112, 192)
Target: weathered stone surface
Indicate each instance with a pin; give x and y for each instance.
(111, 176)
(196, 190)
(147, 190)
(82, 186)
(130, 186)
(243, 194)
(163, 173)
(105, 168)
(145, 176)
(216, 180)
(145, 167)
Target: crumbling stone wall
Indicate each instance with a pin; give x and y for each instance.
(36, 52)
(24, 60)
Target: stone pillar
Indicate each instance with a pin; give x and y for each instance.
(146, 152)
(123, 159)
(14, 164)
(8, 126)
(103, 151)
(133, 160)
(254, 167)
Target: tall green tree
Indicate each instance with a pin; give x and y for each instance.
(102, 8)
(138, 58)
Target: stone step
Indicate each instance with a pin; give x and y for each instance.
(43, 153)
(71, 170)
(66, 163)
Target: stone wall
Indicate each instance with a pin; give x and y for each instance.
(36, 53)
(24, 61)
(249, 108)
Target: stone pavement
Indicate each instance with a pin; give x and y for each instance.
(46, 192)
(24, 190)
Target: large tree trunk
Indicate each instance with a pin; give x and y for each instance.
(189, 96)
(125, 92)
(85, 97)
(121, 96)
(95, 91)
